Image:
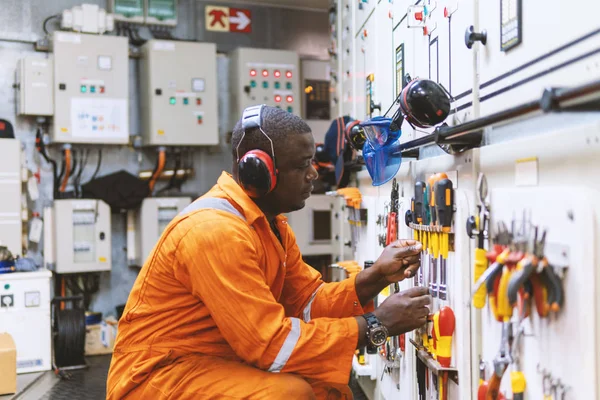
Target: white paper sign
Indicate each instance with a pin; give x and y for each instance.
(35, 232)
(32, 188)
(104, 118)
(526, 172)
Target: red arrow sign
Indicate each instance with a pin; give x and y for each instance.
(240, 20)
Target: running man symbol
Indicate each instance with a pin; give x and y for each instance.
(217, 18)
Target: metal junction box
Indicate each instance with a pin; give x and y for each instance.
(82, 233)
(153, 217)
(91, 88)
(10, 200)
(25, 314)
(179, 93)
(259, 76)
(35, 86)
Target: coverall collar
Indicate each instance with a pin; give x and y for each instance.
(248, 207)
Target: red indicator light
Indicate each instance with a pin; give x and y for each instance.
(289, 99)
(278, 98)
(265, 73)
(252, 72)
(288, 74)
(277, 73)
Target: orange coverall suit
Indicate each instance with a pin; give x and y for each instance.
(221, 310)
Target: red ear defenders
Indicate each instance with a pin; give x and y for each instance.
(257, 171)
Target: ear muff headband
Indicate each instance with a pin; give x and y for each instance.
(257, 171)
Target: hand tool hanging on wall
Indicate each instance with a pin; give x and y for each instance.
(478, 226)
(391, 237)
(444, 208)
(444, 331)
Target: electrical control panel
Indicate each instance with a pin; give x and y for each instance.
(261, 76)
(153, 217)
(91, 88)
(34, 85)
(25, 315)
(179, 93)
(10, 200)
(82, 236)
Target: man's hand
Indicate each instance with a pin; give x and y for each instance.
(399, 260)
(402, 312)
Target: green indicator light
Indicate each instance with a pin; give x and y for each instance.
(252, 83)
(290, 109)
(7, 286)
(83, 88)
(288, 85)
(265, 84)
(185, 100)
(172, 100)
(277, 85)
(92, 89)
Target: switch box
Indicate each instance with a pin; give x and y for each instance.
(10, 201)
(154, 216)
(161, 12)
(127, 10)
(25, 315)
(35, 86)
(82, 236)
(179, 93)
(91, 88)
(261, 76)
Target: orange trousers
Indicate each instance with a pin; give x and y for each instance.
(202, 377)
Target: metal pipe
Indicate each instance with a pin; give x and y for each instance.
(166, 174)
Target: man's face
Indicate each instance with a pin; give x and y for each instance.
(296, 173)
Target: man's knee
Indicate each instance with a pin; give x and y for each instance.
(293, 387)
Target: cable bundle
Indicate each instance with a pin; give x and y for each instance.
(69, 339)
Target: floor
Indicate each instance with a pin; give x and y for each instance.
(88, 384)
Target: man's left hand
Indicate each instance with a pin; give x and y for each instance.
(399, 260)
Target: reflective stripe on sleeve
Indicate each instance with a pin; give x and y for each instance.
(288, 347)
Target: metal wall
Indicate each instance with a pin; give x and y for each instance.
(21, 21)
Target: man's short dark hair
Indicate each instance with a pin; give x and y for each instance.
(276, 123)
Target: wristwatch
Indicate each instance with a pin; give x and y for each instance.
(376, 333)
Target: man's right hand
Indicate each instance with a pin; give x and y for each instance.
(404, 311)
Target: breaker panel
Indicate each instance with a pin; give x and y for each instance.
(35, 86)
(81, 236)
(152, 219)
(25, 314)
(259, 76)
(179, 93)
(91, 88)
(10, 201)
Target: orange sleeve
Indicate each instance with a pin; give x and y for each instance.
(217, 260)
(306, 296)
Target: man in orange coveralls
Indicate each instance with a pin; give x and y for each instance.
(225, 308)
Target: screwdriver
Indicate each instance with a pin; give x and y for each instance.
(419, 218)
(435, 237)
(444, 207)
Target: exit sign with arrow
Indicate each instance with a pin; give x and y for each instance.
(228, 19)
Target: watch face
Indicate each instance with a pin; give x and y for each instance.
(378, 337)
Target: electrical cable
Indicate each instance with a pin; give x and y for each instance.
(97, 166)
(83, 163)
(67, 153)
(41, 148)
(47, 20)
(69, 339)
